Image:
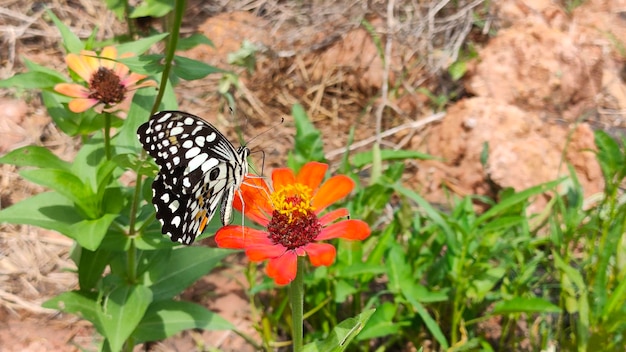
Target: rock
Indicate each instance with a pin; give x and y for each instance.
(523, 151)
(539, 69)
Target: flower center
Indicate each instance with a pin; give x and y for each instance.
(105, 86)
(294, 222)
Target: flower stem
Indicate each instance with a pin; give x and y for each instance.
(296, 296)
(107, 135)
(170, 51)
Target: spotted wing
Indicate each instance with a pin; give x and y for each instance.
(185, 147)
(199, 170)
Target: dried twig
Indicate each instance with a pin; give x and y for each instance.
(411, 125)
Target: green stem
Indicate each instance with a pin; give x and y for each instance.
(107, 135)
(296, 297)
(129, 21)
(170, 51)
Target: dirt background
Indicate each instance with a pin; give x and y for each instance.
(542, 75)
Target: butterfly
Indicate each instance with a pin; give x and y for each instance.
(199, 171)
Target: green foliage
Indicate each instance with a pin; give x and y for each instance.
(309, 145)
(129, 275)
(428, 274)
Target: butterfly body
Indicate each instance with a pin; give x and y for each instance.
(200, 170)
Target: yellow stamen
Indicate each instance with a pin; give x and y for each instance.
(292, 199)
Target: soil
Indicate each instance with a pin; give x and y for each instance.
(540, 78)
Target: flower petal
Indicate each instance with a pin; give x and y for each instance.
(122, 107)
(129, 80)
(259, 253)
(330, 217)
(122, 71)
(282, 177)
(346, 229)
(283, 269)
(320, 253)
(331, 191)
(82, 104)
(256, 205)
(312, 174)
(237, 237)
(80, 66)
(108, 54)
(72, 90)
(90, 58)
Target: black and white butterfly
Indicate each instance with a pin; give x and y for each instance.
(199, 171)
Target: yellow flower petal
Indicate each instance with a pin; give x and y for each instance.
(91, 60)
(72, 90)
(109, 54)
(82, 104)
(80, 66)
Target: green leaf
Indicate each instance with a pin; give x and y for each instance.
(89, 233)
(35, 67)
(575, 289)
(615, 303)
(118, 7)
(434, 215)
(382, 323)
(515, 200)
(457, 70)
(359, 269)
(140, 46)
(152, 8)
(190, 69)
(131, 161)
(83, 304)
(67, 184)
(398, 269)
(365, 158)
(88, 161)
(66, 120)
(71, 42)
(36, 157)
(193, 41)
(421, 294)
(91, 266)
(48, 210)
(126, 139)
(341, 336)
(245, 56)
(114, 199)
(610, 157)
(430, 323)
(122, 311)
(144, 64)
(344, 289)
(104, 173)
(525, 305)
(166, 318)
(482, 282)
(31, 80)
(309, 144)
(184, 267)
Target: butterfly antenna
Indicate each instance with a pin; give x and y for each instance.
(282, 119)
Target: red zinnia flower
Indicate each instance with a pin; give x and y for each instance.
(290, 215)
(110, 84)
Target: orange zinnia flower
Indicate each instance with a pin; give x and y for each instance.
(290, 215)
(110, 84)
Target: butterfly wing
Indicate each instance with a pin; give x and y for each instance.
(199, 169)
